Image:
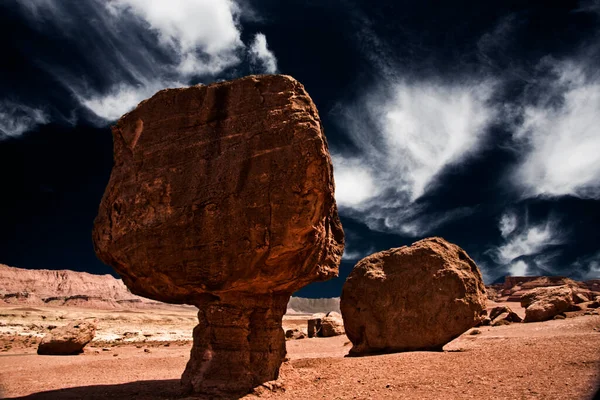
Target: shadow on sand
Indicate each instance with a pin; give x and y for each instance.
(139, 390)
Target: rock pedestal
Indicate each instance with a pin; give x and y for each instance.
(242, 341)
(222, 196)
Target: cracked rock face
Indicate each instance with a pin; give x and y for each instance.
(221, 196)
(416, 297)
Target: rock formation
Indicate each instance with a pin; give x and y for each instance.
(544, 303)
(222, 196)
(65, 287)
(67, 340)
(300, 305)
(502, 314)
(332, 325)
(416, 297)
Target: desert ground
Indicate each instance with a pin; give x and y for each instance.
(141, 355)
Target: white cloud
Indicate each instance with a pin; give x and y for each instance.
(519, 268)
(122, 99)
(417, 130)
(526, 240)
(143, 46)
(352, 255)
(193, 28)
(508, 223)
(260, 54)
(563, 140)
(354, 183)
(16, 119)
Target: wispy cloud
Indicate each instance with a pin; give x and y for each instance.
(261, 57)
(407, 133)
(508, 223)
(15, 119)
(560, 134)
(203, 33)
(136, 47)
(518, 268)
(522, 239)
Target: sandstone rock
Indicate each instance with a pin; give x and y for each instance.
(542, 304)
(67, 340)
(294, 334)
(62, 288)
(503, 313)
(416, 297)
(332, 325)
(222, 196)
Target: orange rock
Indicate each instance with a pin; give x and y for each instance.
(67, 340)
(222, 196)
(416, 297)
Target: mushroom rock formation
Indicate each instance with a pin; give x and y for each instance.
(416, 297)
(222, 196)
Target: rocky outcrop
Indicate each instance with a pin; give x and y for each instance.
(67, 340)
(222, 196)
(544, 303)
(416, 297)
(64, 288)
(299, 305)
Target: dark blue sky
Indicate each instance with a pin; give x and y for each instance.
(473, 121)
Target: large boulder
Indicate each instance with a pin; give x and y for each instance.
(416, 297)
(222, 196)
(544, 303)
(67, 340)
(332, 325)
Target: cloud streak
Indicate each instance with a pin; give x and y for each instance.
(15, 119)
(407, 133)
(561, 137)
(135, 48)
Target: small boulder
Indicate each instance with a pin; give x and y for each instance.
(332, 325)
(294, 334)
(503, 313)
(67, 340)
(542, 304)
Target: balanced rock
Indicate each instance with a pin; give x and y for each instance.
(67, 340)
(332, 325)
(544, 303)
(416, 297)
(222, 196)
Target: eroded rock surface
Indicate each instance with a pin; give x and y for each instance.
(67, 340)
(544, 303)
(416, 297)
(332, 325)
(222, 196)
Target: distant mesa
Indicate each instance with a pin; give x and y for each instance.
(222, 197)
(416, 297)
(66, 288)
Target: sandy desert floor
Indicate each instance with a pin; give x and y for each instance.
(141, 354)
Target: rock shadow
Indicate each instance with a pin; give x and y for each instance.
(139, 390)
